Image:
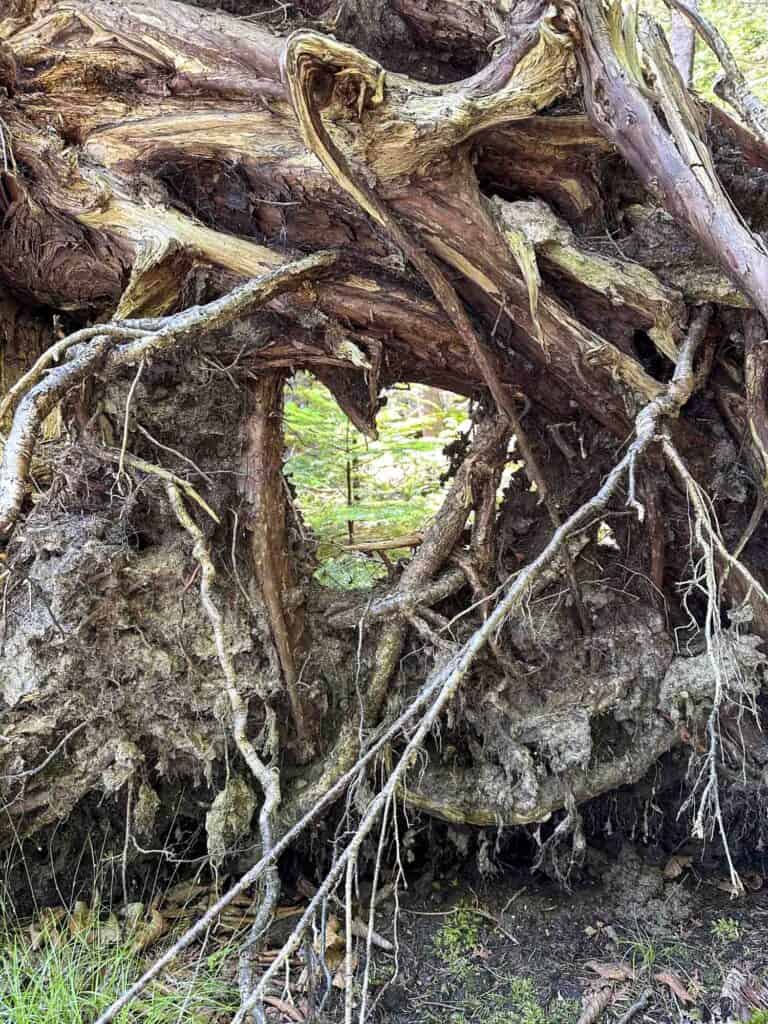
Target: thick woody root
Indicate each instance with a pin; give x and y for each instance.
(37, 394)
(264, 490)
(268, 778)
(414, 589)
(443, 684)
(731, 86)
(301, 61)
(674, 164)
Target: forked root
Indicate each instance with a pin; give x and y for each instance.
(268, 778)
(42, 388)
(440, 688)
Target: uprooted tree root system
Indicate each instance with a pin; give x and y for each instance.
(523, 203)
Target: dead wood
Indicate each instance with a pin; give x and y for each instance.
(379, 194)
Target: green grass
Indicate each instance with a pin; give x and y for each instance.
(726, 929)
(73, 979)
(518, 1003)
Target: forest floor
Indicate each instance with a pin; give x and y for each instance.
(470, 948)
(516, 950)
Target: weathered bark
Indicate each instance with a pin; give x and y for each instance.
(488, 237)
(267, 522)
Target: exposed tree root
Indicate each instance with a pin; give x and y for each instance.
(102, 352)
(268, 778)
(672, 165)
(441, 687)
(264, 492)
(212, 149)
(732, 86)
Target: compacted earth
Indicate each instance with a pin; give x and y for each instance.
(474, 937)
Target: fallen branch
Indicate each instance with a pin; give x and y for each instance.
(398, 602)
(409, 540)
(32, 410)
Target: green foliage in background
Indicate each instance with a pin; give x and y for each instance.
(395, 480)
(743, 24)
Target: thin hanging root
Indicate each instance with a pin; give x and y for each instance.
(428, 691)
(167, 475)
(699, 502)
(440, 688)
(268, 778)
(712, 548)
(43, 392)
(127, 422)
(709, 797)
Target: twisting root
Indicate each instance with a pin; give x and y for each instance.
(164, 474)
(42, 393)
(299, 67)
(268, 778)
(680, 389)
(439, 689)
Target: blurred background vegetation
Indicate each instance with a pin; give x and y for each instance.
(352, 489)
(744, 26)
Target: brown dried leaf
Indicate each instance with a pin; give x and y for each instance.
(148, 932)
(285, 1008)
(673, 982)
(46, 928)
(335, 943)
(82, 919)
(675, 866)
(339, 978)
(611, 971)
